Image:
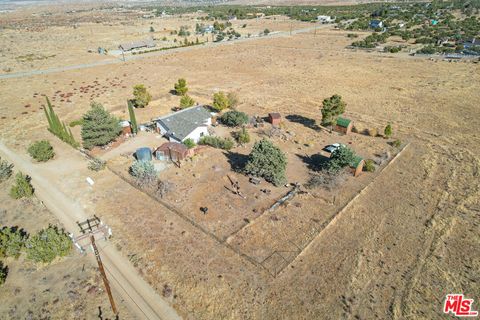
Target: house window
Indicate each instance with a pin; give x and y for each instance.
(202, 134)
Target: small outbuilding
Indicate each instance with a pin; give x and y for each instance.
(343, 125)
(143, 154)
(357, 165)
(274, 118)
(126, 127)
(173, 151)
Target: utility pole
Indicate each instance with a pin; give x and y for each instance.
(89, 228)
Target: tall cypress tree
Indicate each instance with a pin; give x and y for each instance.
(133, 119)
(58, 127)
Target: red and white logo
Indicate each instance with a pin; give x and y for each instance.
(459, 306)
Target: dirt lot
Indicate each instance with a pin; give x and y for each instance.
(69, 288)
(395, 251)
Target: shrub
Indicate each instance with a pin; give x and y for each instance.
(332, 108)
(3, 273)
(181, 87)
(232, 99)
(234, 118)
(267, 161)
(41, 150)
(266, 32)
(48, 244)
(12, 241)
(388, 131)
(340, 158)
(242, 136)
(217, 142)
(220, 101)
(372, 132)
(397, 143)
(6, 170)
(22, 187)
(144, 173)
(75, 123)
(369, 165)
(186, 101)
(189, 143)
(142, 97)
(325, 179)
(99, 127)
(97, 164)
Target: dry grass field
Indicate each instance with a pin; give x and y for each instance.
(409, 238)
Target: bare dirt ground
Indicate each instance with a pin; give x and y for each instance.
(405, 242)
(69, 288)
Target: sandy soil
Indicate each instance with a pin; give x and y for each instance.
(395, 252)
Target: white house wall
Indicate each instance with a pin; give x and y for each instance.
(196, 134)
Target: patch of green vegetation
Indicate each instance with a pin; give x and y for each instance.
(33, 57)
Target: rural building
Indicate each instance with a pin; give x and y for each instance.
(357, 166)
(325, 19)
(472, 43)
(143, 154)
(343, 125)
(173, 151)
(126, 127)
(274, 118)
(374, 24)
(190, 123)
(149, 43)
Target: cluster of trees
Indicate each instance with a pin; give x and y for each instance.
(181, 89)
(42, 247)
(372, 40)
(22, 187)
(223, 101)
(58, 127)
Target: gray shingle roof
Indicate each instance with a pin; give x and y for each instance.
(181, 123)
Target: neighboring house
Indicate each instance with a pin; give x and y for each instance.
(190, 123)
(343, 125)
(374, 24)
(357, 165)
(173, 151)
(149, 43)
(325, 19)
(208, 29)
(274, 118)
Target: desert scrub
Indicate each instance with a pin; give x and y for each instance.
(97, 164)
(217, 142)
(143, 172)
(48, 244)
(396, 143)
(369, 165)
(41, 151)
(12, 241)
(3, 273)
(22, 187)
(6, 170)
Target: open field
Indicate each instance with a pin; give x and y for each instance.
(394, 252)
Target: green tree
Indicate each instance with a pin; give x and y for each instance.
(220, 101)
(12, 241)
(340, 158)
(181, 87)
(332, 108)
(57, 127)
(6, 170)
(99, 127)
(133, 119)
(267, 161)
(3, 273)
(186, 101)
(388, 131)
(234, 118)
(142, 97)
(41, 150)
(22, 187)
(48, 244)
(152, 29)
(266, 32)
(242, 136)
(189, 143)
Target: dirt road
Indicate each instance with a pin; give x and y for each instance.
(141, 299)
(158, 53)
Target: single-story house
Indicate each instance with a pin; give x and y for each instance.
(374, 24)
(357, 165)
(325, 19)
(343, 125)
(274, 118)
(148, 43)
(173, 151)
(472, 43)
(190, 123)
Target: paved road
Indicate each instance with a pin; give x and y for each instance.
(141, 299)
(157, 53)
